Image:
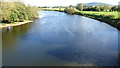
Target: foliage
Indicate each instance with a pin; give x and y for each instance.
(103, 16)
(107, 7)
(80, 6)
(99, 7)
(17, 12)
(70, 10)
(114, 8)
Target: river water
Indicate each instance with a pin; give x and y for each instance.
(59, 39)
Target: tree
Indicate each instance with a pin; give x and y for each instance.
(71, 6)
(80, 6)
(107, 7)
(13, 17)
(100, 7)
(6, 8)
(118, 8)
(96, 9)
(114, 8)
(17, 12)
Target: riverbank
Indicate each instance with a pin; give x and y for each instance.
(109, 19)
(4, 25)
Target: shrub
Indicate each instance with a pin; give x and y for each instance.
(70, 10)
(21, 20)
(111, 16)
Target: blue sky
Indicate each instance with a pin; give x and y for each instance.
(63, 2)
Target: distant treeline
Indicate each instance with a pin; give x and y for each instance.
(99, 7)
(83, 7)
(17, 12)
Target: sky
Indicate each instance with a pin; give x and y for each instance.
(64, 2)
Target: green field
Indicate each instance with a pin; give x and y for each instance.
(101, 13)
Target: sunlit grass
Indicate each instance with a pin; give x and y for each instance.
(101, 13)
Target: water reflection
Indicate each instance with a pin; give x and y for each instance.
(14, 33)
(11, 38)
(60, 39)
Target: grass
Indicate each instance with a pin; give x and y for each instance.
(101, 13)
(111, 18)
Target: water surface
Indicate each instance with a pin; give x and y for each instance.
(58, 39)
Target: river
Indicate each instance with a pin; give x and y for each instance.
(59, 39)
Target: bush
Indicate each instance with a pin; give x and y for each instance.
(21, 20)
(70, 10)
(111, 16)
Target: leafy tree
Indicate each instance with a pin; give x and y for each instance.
(80, 6)
(114, 8)
(17, 12)
(100, 7)
(13, 17)
(107, 7)
(71, 6)
(91, 9)
(118, 8)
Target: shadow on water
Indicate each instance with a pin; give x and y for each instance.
(10, 35)
(10, 38)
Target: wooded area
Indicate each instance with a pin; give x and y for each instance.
(17, 12)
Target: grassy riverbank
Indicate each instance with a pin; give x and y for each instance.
(5, 25)
(111, 18)
(101, 13)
